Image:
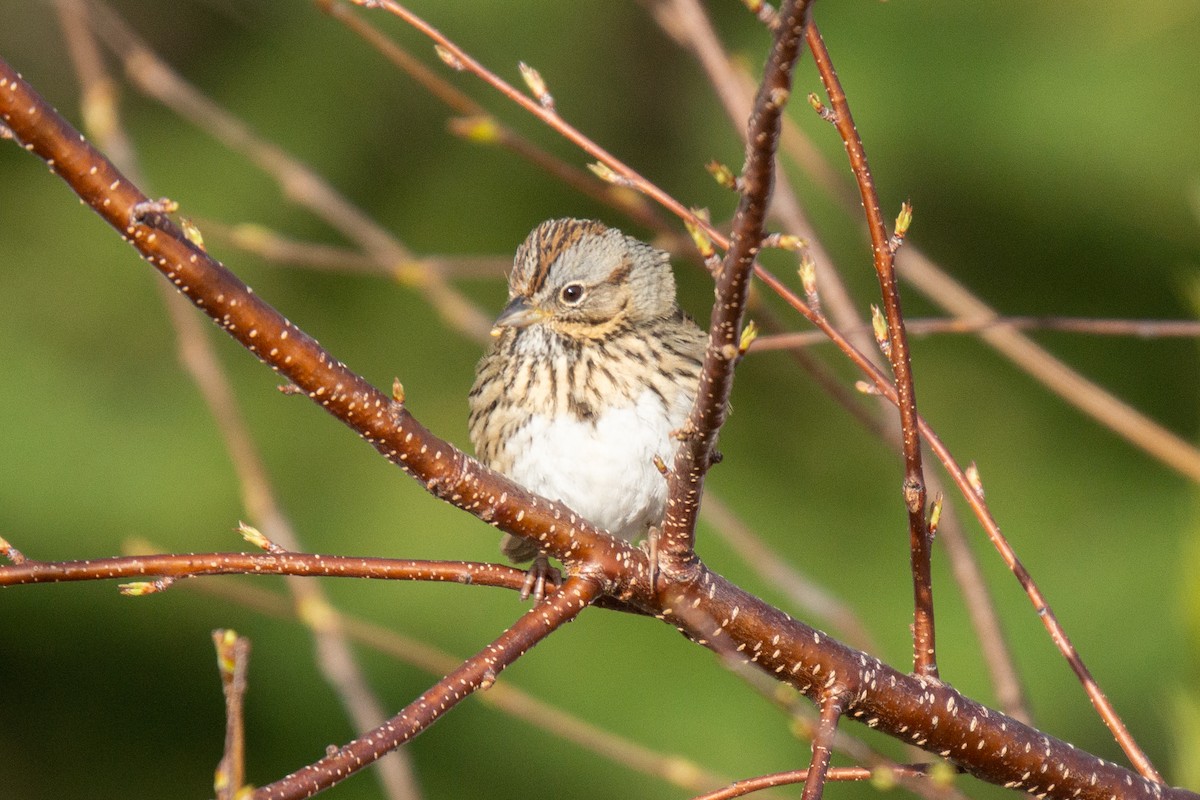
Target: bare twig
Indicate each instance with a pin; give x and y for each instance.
(1138, 328)
(334, 659)
(822, 745)
(1086, 395)
(695, 454)
(986, 743)
(233, 659)
(688, 23)
(478, 125)
(885, 775)
(477, 672)
(924, 648)
(301, 564)
(297, 181)
(673, 769)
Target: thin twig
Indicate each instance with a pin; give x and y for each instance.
(1089, 397)
(478, 672)
(335, 661)
(896, 703)
(695, 454)
(624, 174)
(233, 659)
(1137, 328)
(991, 527)
(687, 22)
(477, 124)
(297, 181)
(559, 723)
(924, 642)
(822, 745)
(190, 565)
(750, 785)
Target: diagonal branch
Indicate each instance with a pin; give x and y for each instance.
(334, 658)
(920, 542)
(708, 608)
(383, 421)
(696, 453)
(478, 672)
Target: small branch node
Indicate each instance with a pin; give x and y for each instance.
(724, 176)
(449, 58)
(749, 334)
(685, 431)
(537, 86)
(808, 281)
(255, 537)
(141, 588)
(785, 241)
(398, 391)
(903, 221)
(700, 237)
(152, 212)
(607, 174)
(10, 553)
(661, 466)
(972, 475)
(192, 232)
(914, 495)
(866, 387)
(823, 111)
(765, 13)
(935, 515)
(290, 389)
(879, 327)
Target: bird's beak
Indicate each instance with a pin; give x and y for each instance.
(517, 314)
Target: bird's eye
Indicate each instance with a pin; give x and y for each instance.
(572, 293)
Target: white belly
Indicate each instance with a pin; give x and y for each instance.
(602, 468)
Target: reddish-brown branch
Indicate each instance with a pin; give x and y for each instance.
(554, 721)
(920, 544)
(925, 712)
(695, 454)
(1138, 328)
(477, 672)
(750, 785)
(300, 564)
(822, 745)
(446, 472)
(915, 709)
(478, 118)
(1057, 634)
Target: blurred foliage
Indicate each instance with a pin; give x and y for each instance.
(1051, 152)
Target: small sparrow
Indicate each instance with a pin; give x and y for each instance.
(593, 369)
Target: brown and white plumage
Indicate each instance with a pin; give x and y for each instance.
(593, 368)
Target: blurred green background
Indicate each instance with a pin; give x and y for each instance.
(1052, 152)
